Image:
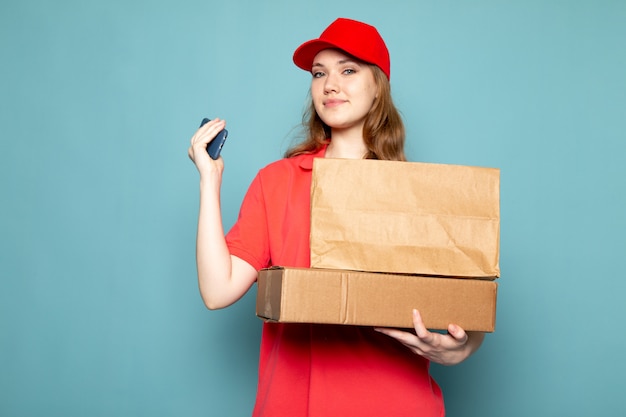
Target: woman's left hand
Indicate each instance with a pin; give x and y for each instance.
(445, 349)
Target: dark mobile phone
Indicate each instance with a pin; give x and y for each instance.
(215, 146)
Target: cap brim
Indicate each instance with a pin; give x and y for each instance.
(305, 54)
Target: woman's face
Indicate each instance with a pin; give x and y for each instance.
(343, 89)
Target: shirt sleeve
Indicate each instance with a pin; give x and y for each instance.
(248, 239)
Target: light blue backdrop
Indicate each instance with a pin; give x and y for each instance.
(99, 309)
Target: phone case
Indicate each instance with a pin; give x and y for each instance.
(215, 146)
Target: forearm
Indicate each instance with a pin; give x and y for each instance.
(220, 284)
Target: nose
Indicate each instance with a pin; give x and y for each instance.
(331, 84)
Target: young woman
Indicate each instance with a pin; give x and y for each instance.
(306, 369)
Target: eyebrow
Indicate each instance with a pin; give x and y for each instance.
(340, 62)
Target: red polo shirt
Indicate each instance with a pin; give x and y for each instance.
(308, 370)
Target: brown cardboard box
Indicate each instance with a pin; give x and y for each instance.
(301, 295)
(405, 217)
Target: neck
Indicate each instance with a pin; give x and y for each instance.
(346, 145)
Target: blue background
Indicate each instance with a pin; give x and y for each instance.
(99, 309)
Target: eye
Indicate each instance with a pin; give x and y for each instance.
(349, 71)
(317, 74)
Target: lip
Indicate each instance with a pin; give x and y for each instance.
(333, 102)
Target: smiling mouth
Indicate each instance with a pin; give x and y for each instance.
(333, 102)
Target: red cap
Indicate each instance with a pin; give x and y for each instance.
(358, 39)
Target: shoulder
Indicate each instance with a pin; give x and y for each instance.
(294, 164)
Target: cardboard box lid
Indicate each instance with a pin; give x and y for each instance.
(300, 295)
(405, 217)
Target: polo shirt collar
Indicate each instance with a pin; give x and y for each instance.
(307, 161)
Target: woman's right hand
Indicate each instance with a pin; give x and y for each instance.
(198, 148)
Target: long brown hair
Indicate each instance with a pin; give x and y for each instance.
(383, 131)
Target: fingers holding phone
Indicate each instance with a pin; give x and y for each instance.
(215, 146)
(207, 143)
